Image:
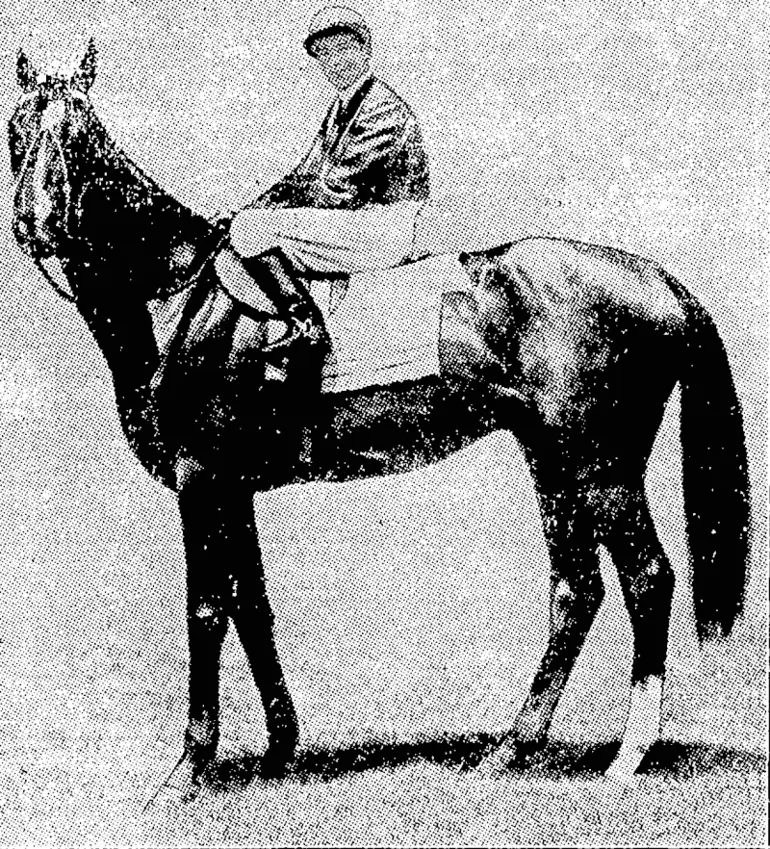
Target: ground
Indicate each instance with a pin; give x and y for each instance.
(410, 613)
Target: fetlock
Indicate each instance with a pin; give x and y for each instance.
(201, 739)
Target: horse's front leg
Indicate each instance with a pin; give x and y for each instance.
(209, 590)
(225, 579)
(253, 617)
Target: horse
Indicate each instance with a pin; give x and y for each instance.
(573, 348)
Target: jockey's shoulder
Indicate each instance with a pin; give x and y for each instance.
(381, 99)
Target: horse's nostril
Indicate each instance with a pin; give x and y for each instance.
(21, 228)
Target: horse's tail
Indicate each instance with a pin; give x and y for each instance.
(715, 474)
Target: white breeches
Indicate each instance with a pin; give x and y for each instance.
(330, 241)
(338, 242)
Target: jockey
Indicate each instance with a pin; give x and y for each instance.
(351, 203)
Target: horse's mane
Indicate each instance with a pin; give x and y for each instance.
(135, 177)
(126, 212)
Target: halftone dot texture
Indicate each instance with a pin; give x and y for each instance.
(411, 612)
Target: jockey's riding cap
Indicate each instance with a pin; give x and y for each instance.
(334, 19)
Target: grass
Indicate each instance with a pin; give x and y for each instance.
(411, 613)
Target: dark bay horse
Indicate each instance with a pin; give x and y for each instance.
(573, 348)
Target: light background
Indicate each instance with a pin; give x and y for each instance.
(406, 607)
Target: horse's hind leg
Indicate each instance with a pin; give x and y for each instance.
(575, 596)
(647, 582)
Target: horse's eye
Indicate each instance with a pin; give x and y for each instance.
(27, 114)
(21, 125)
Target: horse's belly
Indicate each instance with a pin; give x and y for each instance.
(392, 429)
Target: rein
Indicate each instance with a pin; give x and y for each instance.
(58, 288)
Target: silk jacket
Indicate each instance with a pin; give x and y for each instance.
(371, 153)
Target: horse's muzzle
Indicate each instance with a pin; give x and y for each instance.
(37, 240)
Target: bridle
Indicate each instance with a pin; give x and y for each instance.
(27, 162)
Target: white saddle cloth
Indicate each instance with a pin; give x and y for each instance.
(384, 325)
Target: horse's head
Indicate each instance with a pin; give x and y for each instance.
(49, 137)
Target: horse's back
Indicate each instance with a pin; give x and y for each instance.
(561, 275)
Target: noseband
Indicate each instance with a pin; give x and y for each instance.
(27, 163)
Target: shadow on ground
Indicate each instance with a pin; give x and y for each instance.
(463, 752)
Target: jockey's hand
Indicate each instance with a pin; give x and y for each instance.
(220, 218)
(220, 228)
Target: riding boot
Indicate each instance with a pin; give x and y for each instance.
(299, 363)
(275, 276)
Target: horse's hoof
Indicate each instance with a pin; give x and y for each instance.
(279, 755)
(276, 761)
(183, 783)
(623, 769)
(283, 737)
(510, 755)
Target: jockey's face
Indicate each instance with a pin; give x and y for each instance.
(342, 57)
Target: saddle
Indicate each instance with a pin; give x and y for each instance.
(385, 327)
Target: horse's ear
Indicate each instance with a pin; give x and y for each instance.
(84, 77)
(26, 75)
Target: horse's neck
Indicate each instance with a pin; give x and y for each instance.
(122, 206)
(127, 228)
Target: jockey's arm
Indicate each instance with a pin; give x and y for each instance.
(295, 190)
(288, 191)
(349, 179)
(373, 142)
(284, 193)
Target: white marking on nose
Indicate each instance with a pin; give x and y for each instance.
(42, 200)
(53, 115)
(42, 203)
